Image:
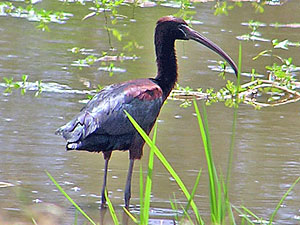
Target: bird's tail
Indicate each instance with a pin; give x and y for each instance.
(72, 131)
(59, 131)
(77, 130)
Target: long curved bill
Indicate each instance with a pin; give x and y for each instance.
(194, 35)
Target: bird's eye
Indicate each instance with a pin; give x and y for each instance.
(182, 30)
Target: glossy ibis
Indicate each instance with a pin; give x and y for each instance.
(102, 126)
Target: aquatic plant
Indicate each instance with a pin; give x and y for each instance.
(23, 85)
(31, 13)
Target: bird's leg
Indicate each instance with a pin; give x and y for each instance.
(106, 157)
(103, 199)
(127, 193)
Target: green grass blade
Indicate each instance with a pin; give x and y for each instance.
(206, 129)
(242, 214)
(210, 165)
(187, 216)
(239, 67)
(111, 209)
(33, 221)
(149, 179)
(232, 142)
(226, 206)
(193, 191)
(233, 130)
(76, 217)
(166, 164)
(220, 203)
(250, 212)
(175, 208)
(230, 213)
(282, 199)
(131, 216)
(69, 198)
(141, 194)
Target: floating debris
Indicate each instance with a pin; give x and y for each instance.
(196, 22)
(274, 3)
(252, 88)
(37, 200)
(94, 196)
(171, 179)
(260, 221)
(49, 87)
(80, 63)
(12, 209)
(182, 95)
(279, 95)
(81, 50)
(76, 189)
(92, 57)
(108, 58)
(288, 25)
(252, 23)
(245, 74)
(219, 68)
(175, 4)
(177, 116)
(296, 217)
(5, 184)
(68, 183)
(147, 4)
(112, 69)
(32, 14)
(284, 44)
(82, 2)
(248, 37)
(141, 3)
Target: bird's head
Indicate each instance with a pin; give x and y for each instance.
(174, 28)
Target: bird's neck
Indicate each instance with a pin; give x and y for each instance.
(166, 64)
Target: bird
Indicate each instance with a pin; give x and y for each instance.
(102, 125)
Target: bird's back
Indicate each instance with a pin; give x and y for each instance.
(102, 124)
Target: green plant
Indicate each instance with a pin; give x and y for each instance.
(111, 209)
(284, 44)
(10, 84)
(222, 8)
(69, 198)
(146, 202)
(282, 199)
(219, 202)
(166, 164)
(28, 11)
(218, 199)
(185, 11)
(259, 6)
(221, 208)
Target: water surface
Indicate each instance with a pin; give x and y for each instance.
(266, 157)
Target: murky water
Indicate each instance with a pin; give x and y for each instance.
(266, 157)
